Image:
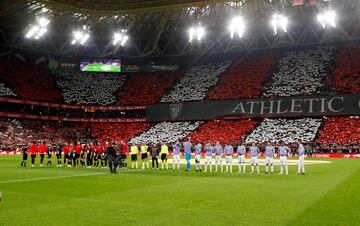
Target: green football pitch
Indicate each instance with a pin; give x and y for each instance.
(327, 195)
(102, 68)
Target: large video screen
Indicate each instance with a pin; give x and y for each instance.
(100, 65)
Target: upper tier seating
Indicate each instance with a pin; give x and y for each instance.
(195, 84)
(346, 75)
(146, 89)
(339, 131)
(166, 132)
(225, 131)
(117, 131)
(24, 132)
(244, 81)
(285, 129)
(87, 88)
(29, 81)
(5, 91)
(300, 73)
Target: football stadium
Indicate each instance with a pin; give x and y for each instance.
(179, 112)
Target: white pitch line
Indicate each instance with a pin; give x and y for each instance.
(51, 178)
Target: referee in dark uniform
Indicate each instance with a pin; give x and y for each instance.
(113, 161)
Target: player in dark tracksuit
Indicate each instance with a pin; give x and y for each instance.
(48, 153)
(25, 156)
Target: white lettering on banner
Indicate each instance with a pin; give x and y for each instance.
(252, 106)
(240, 107)
(263, 107)
(296, 105)
(331, 108)
(323, 100)
(311, 104)
(279, 108)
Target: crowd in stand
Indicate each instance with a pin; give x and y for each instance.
(168, 132)
(225, 131)
(89, 88)
(6, 91)
(29, 81)
(339, 134)
(346, 75)
(103, 132)
(146, 89)
(286, 130)
(300, 73)
(244, 80)
(14, 132)
(197, 81)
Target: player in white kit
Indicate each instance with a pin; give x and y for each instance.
(269, 157)
(241, 150)
(228, 151)
(254, 154)
(301, 152)
(283, 151)
(198, 149)
(209, 150)
(176, 155)
(218, 155)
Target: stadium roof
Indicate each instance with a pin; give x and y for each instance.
(159, 28)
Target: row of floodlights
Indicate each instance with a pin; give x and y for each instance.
(236, 28)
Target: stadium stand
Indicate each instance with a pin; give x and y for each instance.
(117, 131)
(244, 80)
(29, 81)
(346, 75)
(285, 129)
(300, 73)
(146, 89)
(166, 132)
(225, 131)
(339, 133)
(17, 132)
(196, 82)
(89, 88)
(5, 91)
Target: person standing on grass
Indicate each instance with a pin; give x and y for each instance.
(144, 156)
(154, 156)
(209, 150)
(301, 152)
(228, 151)
(48, 153)
(33, 150)
(42, 151)
(218, 156)
(113, 160)
(187, 148)
(176, 155)
(164, 153)
(198, 149)
(283, 151)
(269, 157)
(83, 152)
(25, 155)
(241, 150)
(254, 154)
(58, 155)
(78, 149)
(134, 151)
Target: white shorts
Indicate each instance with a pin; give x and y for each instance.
(197, 158)
(283, 160)
(241, 158)
(269, 160)
(228, 159)
(176, 158)
(254, 160)
(208, 159)
(218, 158)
